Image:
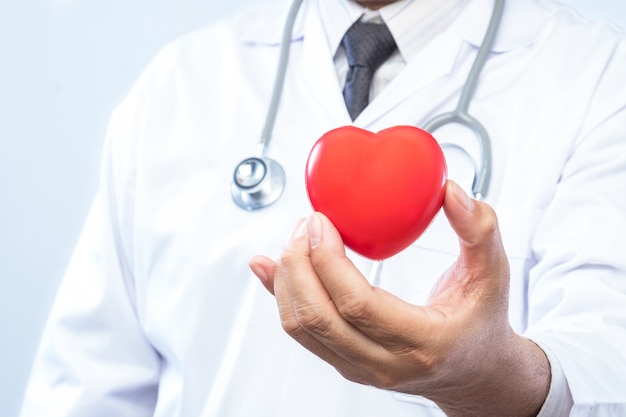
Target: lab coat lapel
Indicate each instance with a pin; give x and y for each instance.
(435, 61)
(311, 78)
(314, 76)
(439, 58)
(317, 72)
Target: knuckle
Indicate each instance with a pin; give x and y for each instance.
(385, 380)
(306, 319)
(394, 378)
(312, 319)
(288, 260)
(410, 370)
(356, 309)
(489, 220)
(288, 320)
(354, 378)
(290, 326)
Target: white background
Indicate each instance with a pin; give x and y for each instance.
(64, 65)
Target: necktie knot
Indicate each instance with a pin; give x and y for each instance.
(367, 46)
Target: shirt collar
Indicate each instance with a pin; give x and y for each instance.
(413, 23)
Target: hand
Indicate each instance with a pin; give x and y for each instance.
(459, 350)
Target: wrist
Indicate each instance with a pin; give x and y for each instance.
(514, 381)
(534, 374)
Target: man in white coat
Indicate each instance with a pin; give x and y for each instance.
(516, 315)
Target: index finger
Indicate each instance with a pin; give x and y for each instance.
(309, 315)
(383, 317)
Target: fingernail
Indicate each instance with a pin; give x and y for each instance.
(314, 228)
(298, 230)
(465, 199)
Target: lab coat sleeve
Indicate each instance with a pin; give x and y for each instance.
(577, 290)
(94, 359)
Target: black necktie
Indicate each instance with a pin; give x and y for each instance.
(367, 46)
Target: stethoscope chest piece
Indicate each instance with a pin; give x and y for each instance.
(257, 183)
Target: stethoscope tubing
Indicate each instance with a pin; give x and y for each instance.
(461, 115)
(259, 196)
(279, 82)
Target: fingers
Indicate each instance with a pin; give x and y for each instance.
(321, 294)
(376, 313)
(307, 310)
(318, 275)
(328, 306)
(263, 268)
(369, 335)
(274, 277)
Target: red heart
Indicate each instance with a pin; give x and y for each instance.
(381, 190)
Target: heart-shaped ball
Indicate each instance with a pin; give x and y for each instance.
(380, 190)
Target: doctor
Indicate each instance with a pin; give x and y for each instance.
(160, 315)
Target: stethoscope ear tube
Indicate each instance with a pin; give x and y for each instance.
(460, 114)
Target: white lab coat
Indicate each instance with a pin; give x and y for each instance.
(159, 314)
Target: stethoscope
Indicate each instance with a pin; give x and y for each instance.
(259, 181)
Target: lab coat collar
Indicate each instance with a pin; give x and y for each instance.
(520, 26)
(267, 29)
(317, 68)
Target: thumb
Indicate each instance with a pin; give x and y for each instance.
(482, 268)
(476, 226)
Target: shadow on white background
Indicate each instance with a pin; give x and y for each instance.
(64, 65)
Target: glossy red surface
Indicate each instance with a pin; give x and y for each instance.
(381, 190)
